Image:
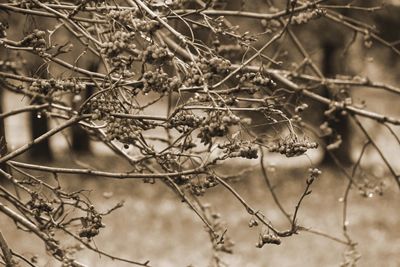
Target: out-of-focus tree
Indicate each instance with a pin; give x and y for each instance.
(3, 141)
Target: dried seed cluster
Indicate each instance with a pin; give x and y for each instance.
(117, 42)
(123, 16)
(242, 149)
(199, 187)
(253, 223)
(314, 173)
(184, 122)
(102, 105)
(159, 81)
(268, 238)
(38, 205)
(35, 40)
(256, 78)
(8, 65)
(305, 17)
(206, 69)
(156, 54)
(216, 125)
(123, 130)
(52, 85)
(91, 224)
(292, 147)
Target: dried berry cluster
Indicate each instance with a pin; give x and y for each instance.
(292, 147)
(210, 181)
(314, 173)
(221, 101)
(100, 106)
(242, 149)
(167, 6)
(206, 69)
(199, 187)
(123, 130)
(182, 179)
(184, 122)
(305, 17)
(8, 65)
(199, 98)
(35, 40)
(256, 79)
(300, 108)
(268, 238)
(217, 65)
(38, 205)
(159, 81)
(367, 40)
(170, 162)
(3, 28)
(145, 26)
(216, 125)
(132, 19)
(67, 262)
(370, 185)
(50, 86)
(253, 223)
(122, 66)
(271, 24)
(248, 152)
(91, 224)
(335, 142)
(156, 54)
(206, 73)
(122, 16)
(117, 42)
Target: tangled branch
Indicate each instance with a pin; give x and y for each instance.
(182, 70)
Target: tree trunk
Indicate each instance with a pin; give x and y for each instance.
(80, 138)
(340, 124)
(3, 141)
(39, 126)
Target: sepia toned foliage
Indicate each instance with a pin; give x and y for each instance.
(178, 89)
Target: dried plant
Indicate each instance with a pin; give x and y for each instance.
(210, 86)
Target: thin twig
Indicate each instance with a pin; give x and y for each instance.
(385, 160)
(270, 186)
(7, 255)
(44, 136)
